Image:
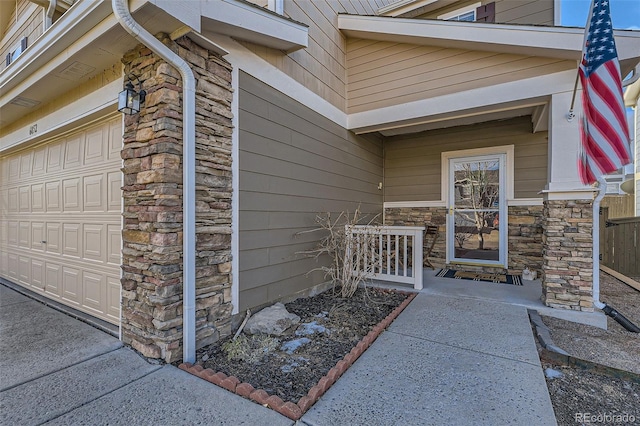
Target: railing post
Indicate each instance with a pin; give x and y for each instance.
(417, 259)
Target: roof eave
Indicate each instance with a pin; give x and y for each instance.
(554, 42)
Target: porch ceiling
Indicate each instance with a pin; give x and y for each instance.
(537, 112)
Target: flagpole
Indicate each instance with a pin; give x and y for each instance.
(571, 115)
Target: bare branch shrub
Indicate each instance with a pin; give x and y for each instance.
(353, 256)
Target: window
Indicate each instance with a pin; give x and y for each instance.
(17, 51)
(467, 13)
(469, 16)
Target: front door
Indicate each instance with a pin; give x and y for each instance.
(476, 225)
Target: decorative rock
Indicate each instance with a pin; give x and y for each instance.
(310, 328)
(292, 345)
(274, 320)
(550, 373)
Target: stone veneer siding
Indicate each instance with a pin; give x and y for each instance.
(419, 216)
(152, 232)
(525, 235)
(568, 255)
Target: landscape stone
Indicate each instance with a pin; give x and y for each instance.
(274, 320)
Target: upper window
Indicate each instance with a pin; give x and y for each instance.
(467, 13)
(16, 51)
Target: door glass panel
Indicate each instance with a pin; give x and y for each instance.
(476, 209)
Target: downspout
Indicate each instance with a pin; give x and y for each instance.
(602, 186)
(123, 15)
(608, 310)
(48, 21)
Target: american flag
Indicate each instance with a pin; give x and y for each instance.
(604, 132)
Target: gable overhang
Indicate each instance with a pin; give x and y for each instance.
(240, 20)
(510, 99)
(550, 42)
(88, 34)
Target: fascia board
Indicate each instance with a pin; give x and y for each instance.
(559, 42)
(412, 113)
(76, 22)
(403, 6)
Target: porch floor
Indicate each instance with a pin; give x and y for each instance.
(527, 295)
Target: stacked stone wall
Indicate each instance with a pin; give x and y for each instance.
(152, 235)
(422, 216)
(524, 227)
(525, 238)
(568, 253)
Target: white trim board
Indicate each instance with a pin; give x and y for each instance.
(235, 190)
(242, 58)
(507, 150)
(521, 93)
(511, 202)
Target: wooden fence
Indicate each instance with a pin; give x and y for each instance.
(620, 245)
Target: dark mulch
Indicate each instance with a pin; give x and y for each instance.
(291, 375)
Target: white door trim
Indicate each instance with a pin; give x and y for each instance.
(505, 154)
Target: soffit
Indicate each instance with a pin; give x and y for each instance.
(88, 40)
(60, 67)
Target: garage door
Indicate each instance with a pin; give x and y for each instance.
(61, 216)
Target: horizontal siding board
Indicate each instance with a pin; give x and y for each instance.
(294, 162)
(300, 188)
(273, 203)
(454, 87)
(404, 155)
(293, 165)
(32, 28)
(537, 12)
(384, 53)
(443, 81)
(385, 74)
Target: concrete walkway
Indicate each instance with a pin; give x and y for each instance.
(59, 371)
(445, 360)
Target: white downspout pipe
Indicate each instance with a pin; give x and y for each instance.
(48, 21)
(123, 15)
(596, 242)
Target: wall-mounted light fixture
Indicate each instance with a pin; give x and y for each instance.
(129, 100)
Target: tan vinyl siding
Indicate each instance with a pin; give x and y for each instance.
(320, 67)
(294, 164)
(382, 74)
(412, 164)
(29, 23)
(531, 12)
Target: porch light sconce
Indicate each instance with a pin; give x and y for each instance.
(129, 100)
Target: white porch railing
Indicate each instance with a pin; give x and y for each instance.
(387, 253)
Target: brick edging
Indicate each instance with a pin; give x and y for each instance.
(295, 410)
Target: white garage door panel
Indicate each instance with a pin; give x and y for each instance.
(71, 287)
(52, 279)
(37, 274)
(60, 206)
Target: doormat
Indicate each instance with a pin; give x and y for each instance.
(480, 276)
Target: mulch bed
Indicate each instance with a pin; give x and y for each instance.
(291, 381)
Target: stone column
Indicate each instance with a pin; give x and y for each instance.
(567, 280)
(152, 192)
(567, 244)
